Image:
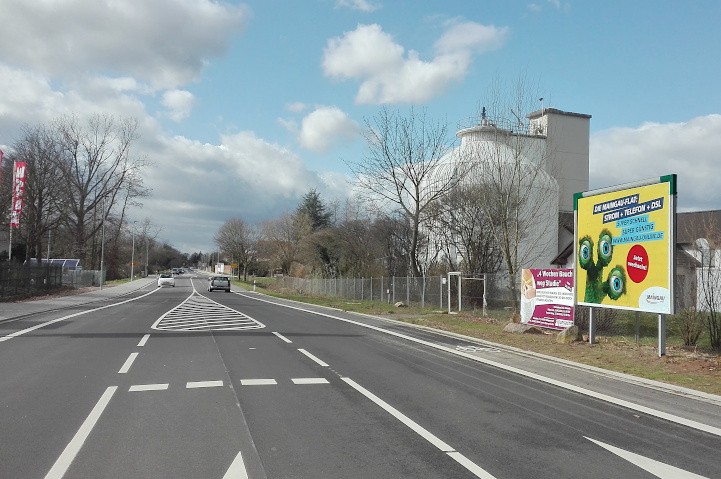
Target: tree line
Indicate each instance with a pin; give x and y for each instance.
(82, 178)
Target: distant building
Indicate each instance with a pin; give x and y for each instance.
(556, 140)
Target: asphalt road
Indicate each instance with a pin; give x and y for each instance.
(182, 383)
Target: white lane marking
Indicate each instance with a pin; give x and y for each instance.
(282, 337)
(128, 363)
(48, 323)
(310, 381)
(321, 363)
(421, 431)
(200, 313)
(148, 387)
(470, 465)
(716, 431)
(658, 469)
(237, 469)
(143, 341)
(400, 416)
(203, 384)
(71, 450)
(257, 382)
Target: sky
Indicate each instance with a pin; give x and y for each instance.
(243, 107)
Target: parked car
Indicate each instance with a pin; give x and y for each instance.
(166, 279)
(219, 282)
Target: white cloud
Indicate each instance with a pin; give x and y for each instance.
(179, 104)
(296, 107)
(325, 127)
(197, 186)
(362, 5)
(156, 42)
(389, 74)
(689, 149)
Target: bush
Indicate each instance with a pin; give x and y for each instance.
(689, 324)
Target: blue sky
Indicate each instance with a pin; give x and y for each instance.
(245, 106)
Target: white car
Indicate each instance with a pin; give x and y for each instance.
(166, 280)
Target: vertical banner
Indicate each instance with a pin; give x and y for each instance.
(625, 246)
(16, 208)
(547, 298)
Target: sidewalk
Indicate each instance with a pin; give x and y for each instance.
(19, 309)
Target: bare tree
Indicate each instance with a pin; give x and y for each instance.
(42, 199)
(461, 227)
(400, 168)
(708, 275)
(282, 239)
(98, 169)
(520, 198)
(239, 240)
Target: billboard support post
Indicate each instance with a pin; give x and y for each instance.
(591, 327)
(661, 335)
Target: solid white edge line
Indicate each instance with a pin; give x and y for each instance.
(203, 384)
(71, 450)
(48, 323)
(320, 363)
(586, 392)
(282, 337)
(148, 387)
(128, 363)
(143, 341)
(237, 469)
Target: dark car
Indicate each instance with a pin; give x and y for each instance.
(219, 282)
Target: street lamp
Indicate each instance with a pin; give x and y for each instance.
(132, 253)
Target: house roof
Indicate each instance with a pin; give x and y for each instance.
(693, 225)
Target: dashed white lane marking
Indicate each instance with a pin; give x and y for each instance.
(128, 363)
(204, 384)
(310, 381)
(282, 337)
(257, 382)
(71, 450)
(199, 313)
(237, 469)
(321, 363)
(143, 341)
(421, 431)
(148, 387)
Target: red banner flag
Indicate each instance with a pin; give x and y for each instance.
(16, 208)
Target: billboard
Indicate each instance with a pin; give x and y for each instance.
(547, 298)
(625, 246)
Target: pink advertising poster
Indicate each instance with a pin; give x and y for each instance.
(547, 298)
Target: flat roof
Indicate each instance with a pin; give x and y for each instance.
(555, 111)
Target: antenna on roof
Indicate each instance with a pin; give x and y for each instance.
(541, 100)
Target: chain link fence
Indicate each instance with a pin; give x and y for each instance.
(477, 292)
(687, 329)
